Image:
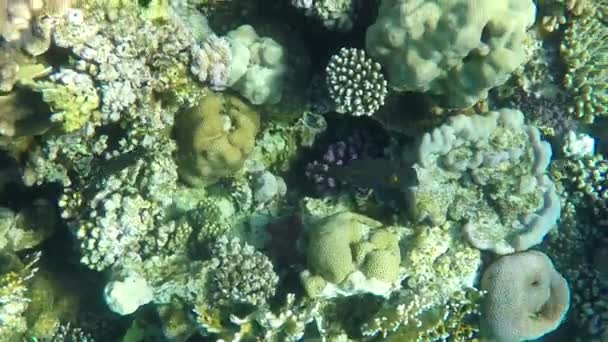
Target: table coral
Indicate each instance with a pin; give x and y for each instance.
(457, 49)
(490, 172)
(214, 138)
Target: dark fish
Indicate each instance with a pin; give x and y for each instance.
(375, 174)
(599, 131)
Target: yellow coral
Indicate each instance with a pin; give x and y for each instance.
(215, 138)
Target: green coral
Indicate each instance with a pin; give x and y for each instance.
(349, 253)
(585, 52)
(214, 138)
(72, 98)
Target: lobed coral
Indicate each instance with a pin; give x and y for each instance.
(259, 66)
(214, 138)
(457, 49)
(495, 153)
(350, 254)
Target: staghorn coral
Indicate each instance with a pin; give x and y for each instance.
(214, 138)
(456, 49)
(355, 82)
(527, 298)
(496, 154)
(585, 52)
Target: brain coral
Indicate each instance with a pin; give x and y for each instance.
(350, 253)
(214, 138)
(527, 298)
(459, 49)
(489, 172)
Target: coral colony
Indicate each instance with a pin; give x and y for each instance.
(303, 170)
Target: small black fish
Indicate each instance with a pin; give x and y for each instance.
(375, 174)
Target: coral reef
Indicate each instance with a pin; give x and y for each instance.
(240, 274)
(333, 14)
(358, 145)
(355, 83)
(259, 66)
(156, 156)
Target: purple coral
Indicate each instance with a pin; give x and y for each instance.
(357, 146)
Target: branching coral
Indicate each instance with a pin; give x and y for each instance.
(585, 52)
(355, 82)
(497, 155)
(14, 300)
(554, 13)
(333, 14)
(241, 274)
(439, 268)
(118, 210)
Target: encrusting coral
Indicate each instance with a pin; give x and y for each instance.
(526, 297)
(494, 153)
